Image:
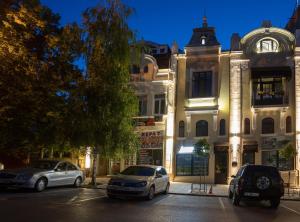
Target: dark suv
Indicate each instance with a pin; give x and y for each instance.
(257, 182)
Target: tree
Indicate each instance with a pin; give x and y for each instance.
(288, 153)
(38, 77)
(110, 102)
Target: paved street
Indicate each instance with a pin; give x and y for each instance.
(68, 204)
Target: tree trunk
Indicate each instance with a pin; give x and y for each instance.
(94, 168)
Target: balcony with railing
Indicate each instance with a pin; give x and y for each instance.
(269, 93)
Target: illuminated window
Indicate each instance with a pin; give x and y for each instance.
(203, 40)
(267, 45)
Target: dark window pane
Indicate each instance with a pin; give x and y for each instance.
(142, 105)
(249, 157)
(191, 165)
(146, 69)
(156, 107)
(200, 165)
(135, 69)
(202, 128)
(202, 84)
(247, 126)
(267, 126)
(288, 123)
(222, 127)
(160, 104)
(181, 128)
(184, 165)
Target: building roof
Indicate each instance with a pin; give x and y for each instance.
(294, 21)
(206, 33)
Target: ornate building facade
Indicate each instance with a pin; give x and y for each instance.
(245, 102)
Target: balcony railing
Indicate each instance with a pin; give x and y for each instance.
(269, 100)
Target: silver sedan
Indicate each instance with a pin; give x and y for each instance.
(141, 180)
(43, 174)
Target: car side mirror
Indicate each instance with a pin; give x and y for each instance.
(233, 176)
(57, 169)
(158, 176)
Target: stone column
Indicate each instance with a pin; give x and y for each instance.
(297, 107)
(188, 124)
(236, 67)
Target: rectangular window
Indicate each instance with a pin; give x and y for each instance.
(160, 104)
(142, 105)
(202, 84)
(268, 91)
(191, 165)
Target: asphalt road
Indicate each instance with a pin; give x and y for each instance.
(69, 204)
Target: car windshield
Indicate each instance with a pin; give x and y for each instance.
(45, 165)
(138, 171)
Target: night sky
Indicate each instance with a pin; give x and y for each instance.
(164, 21)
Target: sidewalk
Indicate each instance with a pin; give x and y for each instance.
(194, 189)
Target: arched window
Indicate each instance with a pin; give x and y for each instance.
(247, 126)
(288, 124)
(267, 45)
(202, 128)
(222, 127)
(181, 129)
(267, 126)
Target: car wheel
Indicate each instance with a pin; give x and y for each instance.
(230, 194)
(151, 193)
(78, 182)
(275, 203)
(167, 189)
(235, 199)
(40, 185)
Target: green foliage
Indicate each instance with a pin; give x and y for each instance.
(202, 147)
(288, 152)
(109, 103)
(38, 80)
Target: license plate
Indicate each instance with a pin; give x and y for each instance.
(251, 194)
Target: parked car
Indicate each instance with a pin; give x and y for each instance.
(42, 174)
(257, 182)
(139, 181)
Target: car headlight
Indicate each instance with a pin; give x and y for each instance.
(141, 184)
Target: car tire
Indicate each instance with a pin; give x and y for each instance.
(236, 199)
(167, 189)
(41, 184)
(275, 203)
(151, 193)
(78, 182)
(230, 194)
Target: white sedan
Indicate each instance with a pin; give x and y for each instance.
(139, 181)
